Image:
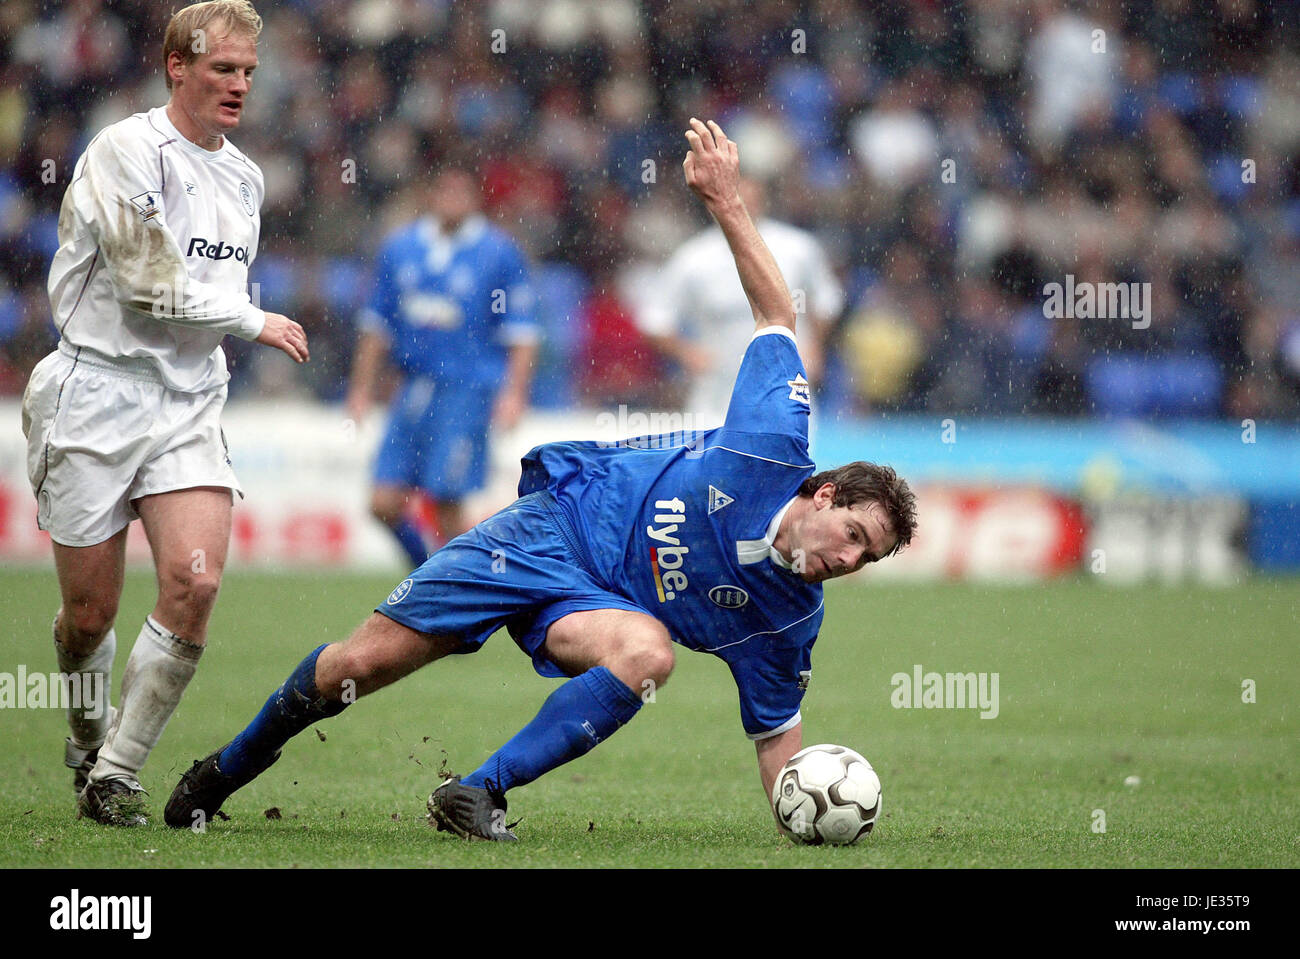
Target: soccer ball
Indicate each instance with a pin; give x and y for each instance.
(826, 794)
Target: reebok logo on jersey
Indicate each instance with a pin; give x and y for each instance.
(666, 559)
(799, 389)
(147, 205)
(218, 250)
(718, 499)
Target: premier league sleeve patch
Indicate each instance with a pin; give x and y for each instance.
(146, 204)
(772, 394)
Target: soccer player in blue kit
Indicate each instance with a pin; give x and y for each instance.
(452, 308)
(614, 552)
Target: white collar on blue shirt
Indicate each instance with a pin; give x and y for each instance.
(442, 246)
(469, 230)
(749, 551)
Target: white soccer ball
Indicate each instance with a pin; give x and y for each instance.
(826, 794)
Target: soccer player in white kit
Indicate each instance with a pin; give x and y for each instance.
(697, 311)
(157, 230)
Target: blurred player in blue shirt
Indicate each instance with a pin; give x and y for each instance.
(614, 552)
(452, 309)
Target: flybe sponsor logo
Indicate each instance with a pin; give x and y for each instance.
(217, 251)
(668, 558)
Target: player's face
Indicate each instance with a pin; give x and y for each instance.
(838, 540)
(212, 87)
(454, 196)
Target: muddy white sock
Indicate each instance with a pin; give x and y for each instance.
(160, 667)
(90, 681)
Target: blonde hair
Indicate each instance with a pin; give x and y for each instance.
(237, 15)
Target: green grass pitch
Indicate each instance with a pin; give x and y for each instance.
(1096, 685)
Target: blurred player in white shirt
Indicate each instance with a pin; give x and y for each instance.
(156, 233)
(699, 315)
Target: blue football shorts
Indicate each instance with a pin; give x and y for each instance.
(436, 439)
(522, 568)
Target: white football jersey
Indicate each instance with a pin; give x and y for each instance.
(156, 235)
(698, 295)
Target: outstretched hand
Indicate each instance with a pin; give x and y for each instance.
(284, 334)
(713, 164)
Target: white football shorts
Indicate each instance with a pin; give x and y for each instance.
(101, 434)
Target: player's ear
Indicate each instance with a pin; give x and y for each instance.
(825, 495)
(175, 66)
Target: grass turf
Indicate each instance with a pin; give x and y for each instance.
(1096, 685)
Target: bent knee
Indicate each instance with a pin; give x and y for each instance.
(196, 592)
(649, 656)
(388, 506)
(87, 622)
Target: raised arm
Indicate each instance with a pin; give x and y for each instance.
(713, 171)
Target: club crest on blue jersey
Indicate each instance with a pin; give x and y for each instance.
(799, 389)
(399, 594)
(728, 597)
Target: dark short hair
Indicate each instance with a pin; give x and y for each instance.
(863, 482)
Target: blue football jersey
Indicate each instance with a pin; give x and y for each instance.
(683, 525)
(450, 305)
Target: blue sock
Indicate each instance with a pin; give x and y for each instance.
(291, 709)
(574, 718)
(408, 534)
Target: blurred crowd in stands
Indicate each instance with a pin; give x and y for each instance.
(953, 158)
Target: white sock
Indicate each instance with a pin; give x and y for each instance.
(89, 721)
(160, 667)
